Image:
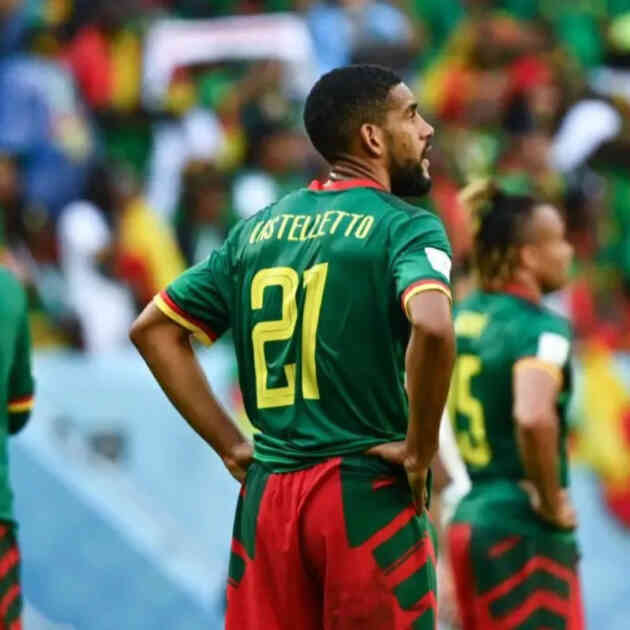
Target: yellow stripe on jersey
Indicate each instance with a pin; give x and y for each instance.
(419, 288)
(201, 335)
(538, 364)
(20, 405)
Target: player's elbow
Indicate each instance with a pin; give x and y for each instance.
(139, 332)
(430, 317)
(534, 420)
(437, 328)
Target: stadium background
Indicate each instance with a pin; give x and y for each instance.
(134, 133)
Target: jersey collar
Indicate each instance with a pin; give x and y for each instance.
(344, 184)
(521, 291)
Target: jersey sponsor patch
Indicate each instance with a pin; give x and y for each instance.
(440, 261)
(553, 348)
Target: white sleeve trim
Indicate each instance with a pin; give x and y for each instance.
(553, 348)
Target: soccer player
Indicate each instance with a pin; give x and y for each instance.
(512, 544)
(330, 293)
(17, 401)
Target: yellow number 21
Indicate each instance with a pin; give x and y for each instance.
(284, 328)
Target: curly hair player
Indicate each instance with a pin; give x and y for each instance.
(511, 543)
(331, 292)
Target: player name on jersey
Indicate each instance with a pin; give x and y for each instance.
(302, 227)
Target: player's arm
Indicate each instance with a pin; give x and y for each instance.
(429, 363)
(165, 346)
(21, 386)
(536, 386)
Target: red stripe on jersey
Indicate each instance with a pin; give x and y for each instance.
(344, 184)
(22, 399)
(193, 320)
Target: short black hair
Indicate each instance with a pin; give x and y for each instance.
(342, 100)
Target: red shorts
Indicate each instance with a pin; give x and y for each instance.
(514, 582)
(336, 546)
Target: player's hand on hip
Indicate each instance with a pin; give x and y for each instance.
(239, 460)
(396, 453)
(391, 452)
(417, 478)
(560, 514)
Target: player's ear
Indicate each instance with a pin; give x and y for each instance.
(372, 139)
(528, 256)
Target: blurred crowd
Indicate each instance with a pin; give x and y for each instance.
(135, 133)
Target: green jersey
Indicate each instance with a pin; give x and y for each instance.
(16, 381)
(314, 288)
(497, 333)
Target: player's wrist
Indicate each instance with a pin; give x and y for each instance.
(415, 465)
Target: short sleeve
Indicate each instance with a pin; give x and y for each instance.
(21, 384)
(547, 346)
(200, 298)
(420, 256)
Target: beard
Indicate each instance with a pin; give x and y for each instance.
(409, 179)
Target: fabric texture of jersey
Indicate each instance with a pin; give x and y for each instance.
(338, 545)
(314, 288)
(497, 333)
(16, 381)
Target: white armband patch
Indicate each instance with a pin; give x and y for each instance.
(440, 261)
(553, 348)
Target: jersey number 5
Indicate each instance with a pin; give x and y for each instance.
(472, 442)
(283, 329)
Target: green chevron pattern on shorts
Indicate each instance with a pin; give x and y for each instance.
(513, 560)
(538, 580)
(248, 507)
(543, 618)
(410, 591)
(399, 545)
(426, 621)
(236, 568)
(367, 509)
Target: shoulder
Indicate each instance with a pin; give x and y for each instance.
(401, 210)
(543, 319)
(544, 335)
(408, 223)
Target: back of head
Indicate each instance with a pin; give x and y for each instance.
(500, 221)
(341, 101)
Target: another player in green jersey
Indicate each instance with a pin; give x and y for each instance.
(16, 383)
(512, 542)
(330, 294)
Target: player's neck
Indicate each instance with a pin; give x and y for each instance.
(524, 285)
(352, 168)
